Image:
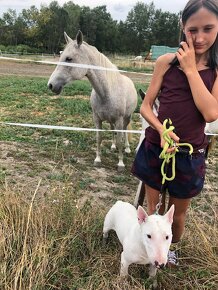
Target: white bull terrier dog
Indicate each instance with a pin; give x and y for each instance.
(145, 239)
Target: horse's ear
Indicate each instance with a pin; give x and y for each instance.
(79, 38)
(67, 38)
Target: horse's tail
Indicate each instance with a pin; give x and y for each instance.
(129, 127)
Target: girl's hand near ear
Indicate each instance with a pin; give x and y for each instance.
(186, 55)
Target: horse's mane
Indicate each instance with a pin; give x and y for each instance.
(104, 62)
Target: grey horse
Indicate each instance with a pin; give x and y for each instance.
(113, 97)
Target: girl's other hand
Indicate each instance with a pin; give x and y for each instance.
(174, 137)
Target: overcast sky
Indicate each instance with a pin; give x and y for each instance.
(117, 8)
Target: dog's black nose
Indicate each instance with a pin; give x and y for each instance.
(162, 266)
(156, 264)
(159, 266)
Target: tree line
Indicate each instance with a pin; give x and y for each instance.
(42, 30)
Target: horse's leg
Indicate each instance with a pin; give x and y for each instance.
(120, 164)
(127, 125)
(113, 146)
(119, 126)
(98, 124)
(127, 147)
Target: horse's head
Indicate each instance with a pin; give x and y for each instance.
(74, 53)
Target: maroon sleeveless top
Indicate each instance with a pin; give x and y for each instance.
(176, 103)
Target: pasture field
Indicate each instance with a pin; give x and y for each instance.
(53, 200)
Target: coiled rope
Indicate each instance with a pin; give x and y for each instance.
(170, 156)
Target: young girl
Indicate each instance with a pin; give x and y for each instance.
(186, 84)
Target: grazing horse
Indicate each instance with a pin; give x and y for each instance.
(138, 58)
(113, 97)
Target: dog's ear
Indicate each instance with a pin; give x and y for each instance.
(142, 215)
(170, 213)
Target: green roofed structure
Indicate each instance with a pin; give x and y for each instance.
(156, 51)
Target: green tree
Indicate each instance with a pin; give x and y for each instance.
(52, 23)
(44, 28)
(106, 30)
(99, 28)
(88, 24)
(8, 22)
(165, 29)
(31, 18)
(139, 25)
(73, 23)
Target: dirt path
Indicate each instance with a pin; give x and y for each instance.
(32, 69)
(25, 69)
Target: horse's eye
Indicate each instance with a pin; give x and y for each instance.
(149, 236)
(68, 59)
(167, 237)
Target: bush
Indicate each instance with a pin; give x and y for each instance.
(11, 49)
(23, 49)
(2, 48)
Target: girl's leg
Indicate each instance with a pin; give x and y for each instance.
(181, 207)
(152, 196)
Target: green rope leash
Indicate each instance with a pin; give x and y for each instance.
(167, 156)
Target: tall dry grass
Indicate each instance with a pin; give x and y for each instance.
(50, 243)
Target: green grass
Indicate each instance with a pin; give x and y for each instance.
(27, 100)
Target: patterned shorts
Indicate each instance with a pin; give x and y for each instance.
(190, 171)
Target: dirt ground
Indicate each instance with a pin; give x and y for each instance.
(38, 70)
(24, 69)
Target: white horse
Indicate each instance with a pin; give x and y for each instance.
(113, 97)
(138, 57)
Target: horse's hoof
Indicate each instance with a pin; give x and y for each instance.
(127, 150)
(154, 286)
(120, 168)
(97, 163)
(113, 147)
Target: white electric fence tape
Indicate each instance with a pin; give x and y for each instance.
(67, 128)
(72, 65)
